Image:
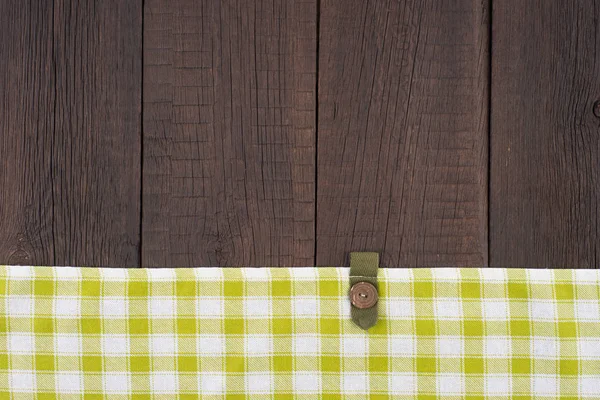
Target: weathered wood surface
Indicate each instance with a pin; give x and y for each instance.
(70, 102)
(290, 133)
(545, 138)
(229, 133)
(402, 133)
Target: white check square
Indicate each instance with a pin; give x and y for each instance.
(20, 305)
(304, 306)
(114, 274)
(211, 345)
(448, 309)
(116, 382)
(540, 275)
(587, 276)
(67, 307)
(544, 385)
(355, 383)
(450, 346)
(306, 344)
(69, 382)
(403, 383)
(495, 310)
(587, 310)
(498, 385)
(115, 345)
(402, 345)
(544, 347)
(211, 383)
(257, 307)
(115, 307)
(446, 274)
(258, 345)
(163, 344)
(589, 348)
(22, 381)
(259, 383)
(210, 307)
(208, 274)
(589, 385)
(307, 382)
(496, 346)
(394, 274)
(161, 274)
(492, 274)
(67, 273)
(450, 384)
(164, 383)
(162, 307)
(302, 274)
(542, 310)
(21, 343)
(400, 307)
(20, 272)
(354, 345)
(255, 274)
(67, 344)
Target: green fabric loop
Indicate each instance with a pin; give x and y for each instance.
(363, 268)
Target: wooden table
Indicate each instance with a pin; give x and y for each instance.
(288, 133)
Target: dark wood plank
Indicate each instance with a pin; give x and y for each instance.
(545, 139)
(229, 133)
(402, 131)
(70, 121)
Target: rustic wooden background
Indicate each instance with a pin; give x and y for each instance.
(288, 133)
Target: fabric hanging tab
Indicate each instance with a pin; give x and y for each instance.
(364, 289)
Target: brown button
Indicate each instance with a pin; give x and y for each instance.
(363, 295)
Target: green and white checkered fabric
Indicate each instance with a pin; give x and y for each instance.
(283, 333)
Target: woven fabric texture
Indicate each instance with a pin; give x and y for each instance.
(283, 333)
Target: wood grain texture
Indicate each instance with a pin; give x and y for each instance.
(70, 120)
(402, 132)
(229, 133)
(545, 139)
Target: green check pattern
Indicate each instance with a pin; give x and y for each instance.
(285, 333)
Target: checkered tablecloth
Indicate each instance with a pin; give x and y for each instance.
(283, 333)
